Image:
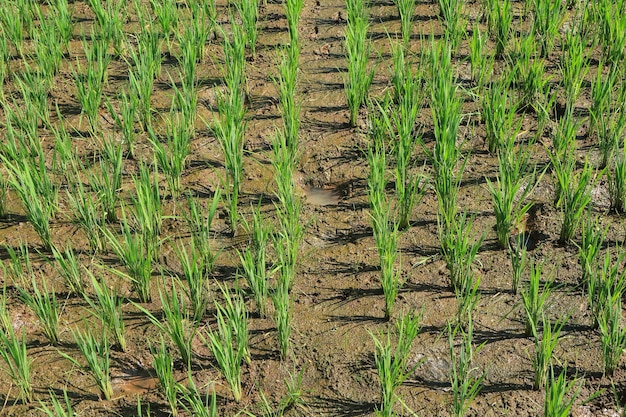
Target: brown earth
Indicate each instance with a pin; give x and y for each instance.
(337, 298)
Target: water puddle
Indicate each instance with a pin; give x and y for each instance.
(134, 383)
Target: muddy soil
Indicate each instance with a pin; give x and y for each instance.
(337, 300)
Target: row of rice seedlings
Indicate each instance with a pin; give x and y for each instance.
(229, 126)
(229, 343)
(393, 365)
(199, 221)
(357, 47)
(385, 230)
(464, 377)
(450, 12)
(107, 306)
(97, 353)
(193, 39)
(254, 261)
(44, 305)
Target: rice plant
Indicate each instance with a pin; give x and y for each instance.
(548, 17)
(199, 222)
(612, 332)
(498, 112)
(86, 213)
(393, 365)
(575, 199)
(518, 255)
(290, 106)
(107, 306)
(178, 323)
(611, 127)
(254, 261)
(62, 16)
(35, 89)
(544, 349)
(529, 71)
(167, 15)
(606, 281)
(293, 9)
(146, 61)
(48, 48)
(612, 29)
(147, 207)
(480, 61)
(58, 409)
(194, 273)
(591, 241)
(602, 93)
(617, 182)
(98, 357)
(282, 316)
(502, 28)
(13, 28)
(194, 404)
(124, 118)
(18, 363)
(466, 382)
(229, 342)
(357, 48)
(406, 10)
(248, 11)
(534, 298)
(137, 255)
(560, 394)
(45, 306)
(512, 188)
(20, 265)
(574, 65)
(163, 365)
(453, 21)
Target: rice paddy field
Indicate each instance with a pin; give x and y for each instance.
(312, 208)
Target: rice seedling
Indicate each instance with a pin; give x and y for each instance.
(146, 61)
(287, 82)
(68, 266)
(498, 112)
(194, 273)
(282, 316)
(254, 261)
(502, 28)
(229, 342)
(393, 365)
(48, 48)
(18, 363)
(194, 403)
(45, 306)
(534, 298)
(147, 207)
(617, 182)
(574, 65)
(167, 15)
(90, 81)
(58, 408)
(293, 8)
(602, 90)
(107, 307)
(605, 282)
(173, 159)
(178, 324)
(19, 263)
(14, 29)
(186, 102)
(31, 180)
(548, 17)
(86, 213)
(480, 61)
(34, 88)
(62, 17)
(357, 49)
(544, 349)
(466, 382)
(137, 254)
(612, 332)
(163, 364)
(453, 21)
(560, 394)
(591, 241)
(458, 250)
(63, 156)
(576, 197)
(518, 254)
(199, 225)
(406, 10)
(512, 188)
(97, 354)
(529, 72)
(106, 182)
(248, 11)
(124, 117)
(612, 30)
